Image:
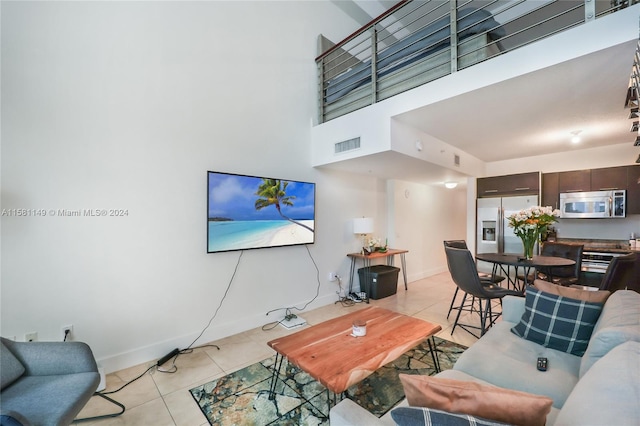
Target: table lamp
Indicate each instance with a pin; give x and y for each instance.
(363, 226)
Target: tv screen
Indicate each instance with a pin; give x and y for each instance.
(250, 212)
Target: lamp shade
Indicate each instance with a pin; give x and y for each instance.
(362, 225)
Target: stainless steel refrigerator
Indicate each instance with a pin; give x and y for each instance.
(493, 235)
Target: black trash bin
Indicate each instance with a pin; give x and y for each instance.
(380, 280)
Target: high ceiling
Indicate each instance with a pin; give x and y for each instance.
(525, 123)
(514, 118)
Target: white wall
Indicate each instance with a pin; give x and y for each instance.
(126, 105)
(423, 217)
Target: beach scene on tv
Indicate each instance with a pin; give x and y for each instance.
(246, 212)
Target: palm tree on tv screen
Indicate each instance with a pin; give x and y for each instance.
(274, 192)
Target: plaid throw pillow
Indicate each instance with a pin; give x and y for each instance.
(557, 322)
(419, 416)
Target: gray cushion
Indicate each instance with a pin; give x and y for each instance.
(618, 323)
(557, 322)
(419, 416)
(509, 353)
(608, 393)
(11, 369)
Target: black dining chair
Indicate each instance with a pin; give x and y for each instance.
(562, 275)
(622, 273)
(465, 274)
(485, 278)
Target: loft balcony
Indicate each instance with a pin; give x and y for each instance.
(537, 66)
(416, 42)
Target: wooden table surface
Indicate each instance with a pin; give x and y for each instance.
(517, 260)
(329, 354)
(378, 254)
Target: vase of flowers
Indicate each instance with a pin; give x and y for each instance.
(528, 224)
(375, 245)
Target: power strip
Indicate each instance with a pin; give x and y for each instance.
(292, 321)
(168, 356)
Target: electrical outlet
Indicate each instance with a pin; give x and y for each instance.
(31, 337)
(67, 336)
(332, 276)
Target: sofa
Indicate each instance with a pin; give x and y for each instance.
(600, 387)
(45, 383)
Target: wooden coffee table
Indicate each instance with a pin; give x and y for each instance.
(329, 354)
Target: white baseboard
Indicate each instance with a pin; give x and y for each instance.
(150, 353)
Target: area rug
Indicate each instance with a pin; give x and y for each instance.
(242, 397)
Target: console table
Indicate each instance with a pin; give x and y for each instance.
(388, 255)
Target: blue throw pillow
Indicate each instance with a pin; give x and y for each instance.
(419, 416)
(557, 322)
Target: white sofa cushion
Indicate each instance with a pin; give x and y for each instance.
(608, 393)
(348, 413)
(618, 322)
(506, 360)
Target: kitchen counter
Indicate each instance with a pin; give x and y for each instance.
(610, 246)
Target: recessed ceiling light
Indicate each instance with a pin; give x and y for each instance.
(450, 185)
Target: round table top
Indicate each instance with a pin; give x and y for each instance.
(518, 260)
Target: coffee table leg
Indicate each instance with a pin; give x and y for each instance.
(274, 377)
(333, 399)
(330, 401)
(434, 353)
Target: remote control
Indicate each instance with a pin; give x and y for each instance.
(542, 364)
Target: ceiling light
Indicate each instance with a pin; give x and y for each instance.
(450, 185)
(635, 126)
(634, 113)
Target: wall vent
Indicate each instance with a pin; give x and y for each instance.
(348, 145)
(456, 160)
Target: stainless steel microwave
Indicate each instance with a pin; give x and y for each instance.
(594, 204)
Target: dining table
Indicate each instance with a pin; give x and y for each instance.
(505, 261)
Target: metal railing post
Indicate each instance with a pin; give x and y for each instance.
(589, 10)
(453, 25)
(320, 65)
(374, 64)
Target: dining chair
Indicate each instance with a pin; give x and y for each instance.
(465, 274)
(622, 273)
(561, 275)
(485, 278)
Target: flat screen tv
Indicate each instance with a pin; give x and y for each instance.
(250, 212)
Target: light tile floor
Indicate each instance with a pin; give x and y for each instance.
(164, 399)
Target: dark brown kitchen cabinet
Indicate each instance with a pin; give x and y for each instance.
(633, 189)
(550, 193)
(574, 181)
(608, 178)
(509, 185)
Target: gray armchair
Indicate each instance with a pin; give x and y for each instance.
(46, 383)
